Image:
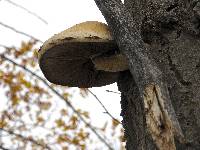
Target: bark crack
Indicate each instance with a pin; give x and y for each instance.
(157, 119)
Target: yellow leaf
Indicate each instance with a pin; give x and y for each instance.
(66, 95)
(60, 123)
(115, 123)
(44, 105)
(74, 120)
(63, 112)
(86, 114)
(3, 123)
(65, 148)
(1, 74)
(40, 119)
(63, 138)
(82, 135)
(15, 100)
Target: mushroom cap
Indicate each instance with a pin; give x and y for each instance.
(66, 58)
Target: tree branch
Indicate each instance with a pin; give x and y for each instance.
(26, 138)
(109, 91)
(20, 32)
(129, 41)
(61, 97)
(106, 110)
(28, 11)
(3, 148)
(4, 46)
(145, 71)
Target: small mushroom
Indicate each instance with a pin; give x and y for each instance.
(73, 57)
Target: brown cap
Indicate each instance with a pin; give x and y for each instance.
(66, 58)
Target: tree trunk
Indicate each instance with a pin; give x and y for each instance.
(133, 114)
(171, 31)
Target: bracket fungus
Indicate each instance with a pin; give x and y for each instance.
(73, 57)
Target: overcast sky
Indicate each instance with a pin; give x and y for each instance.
(60, 14)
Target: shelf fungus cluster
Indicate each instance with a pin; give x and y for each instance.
(84, 55)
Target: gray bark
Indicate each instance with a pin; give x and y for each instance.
(175, 44)
(160, 39)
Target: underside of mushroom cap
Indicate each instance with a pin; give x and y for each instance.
(65, 59)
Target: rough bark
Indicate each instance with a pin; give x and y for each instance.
(160, 98)
(134, 122)
(171, 30)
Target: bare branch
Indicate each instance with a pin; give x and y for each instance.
(1, 147)
(28, 11)
(112, 92)
(61, 97)
(26, 138)
(106, 110)
(20, 32)
(4, 46)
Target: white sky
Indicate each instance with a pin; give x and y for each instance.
(60, 14)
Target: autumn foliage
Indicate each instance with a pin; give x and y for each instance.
(35, 114)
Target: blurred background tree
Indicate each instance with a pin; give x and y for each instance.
(36, 114)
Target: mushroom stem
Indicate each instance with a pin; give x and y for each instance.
(113, 63)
